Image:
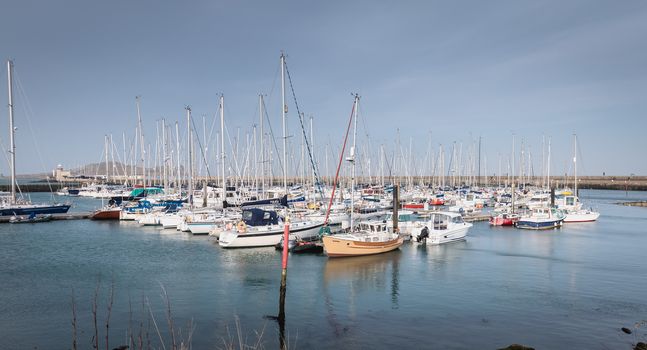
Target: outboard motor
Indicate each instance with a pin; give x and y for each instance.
(424, 234)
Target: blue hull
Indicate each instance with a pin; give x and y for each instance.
(28, 210)
(535, 225)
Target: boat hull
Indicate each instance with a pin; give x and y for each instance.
(109, 214)
(262, 237)
(539, 225)
(581, 217)
(35, 209)
(454, 235)
(336, 247)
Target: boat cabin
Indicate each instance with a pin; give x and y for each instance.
(260, 217)
(440, 221)
(373, 226)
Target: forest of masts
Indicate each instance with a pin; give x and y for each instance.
(192, 151)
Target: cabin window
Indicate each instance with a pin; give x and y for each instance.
(266, 215)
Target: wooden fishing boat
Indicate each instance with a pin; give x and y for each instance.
(370, 238)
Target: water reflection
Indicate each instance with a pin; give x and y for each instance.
(438, 254)
(365, 273)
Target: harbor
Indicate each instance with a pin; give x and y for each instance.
(323, 175)
(574, 285)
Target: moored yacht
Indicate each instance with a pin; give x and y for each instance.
(260, 228)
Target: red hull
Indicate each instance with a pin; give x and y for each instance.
(497, 221)
(106, 215)
(413, 206)
(437, 201)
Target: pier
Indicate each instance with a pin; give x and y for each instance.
(634, 204)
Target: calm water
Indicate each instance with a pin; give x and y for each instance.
(564, 289)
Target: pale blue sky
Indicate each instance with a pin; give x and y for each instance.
(460, 69)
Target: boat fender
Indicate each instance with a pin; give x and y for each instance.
(241, 226)
(424, 234)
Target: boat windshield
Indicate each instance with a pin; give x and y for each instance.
(457, 219)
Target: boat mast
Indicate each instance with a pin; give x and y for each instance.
(312, 139)
(548, 165)
(190, 156)
(575, 162)
(222, 147)
(178, 182)
(260, 112)
(141, 141)
(12, 132)
(164, 156)
(105, 141)
(351, 158)
(284, 111)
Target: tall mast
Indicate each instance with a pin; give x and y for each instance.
(12, 132)
(178, 182)
(512, 160)
(575, 161)
(164, 157)
(260, 112)
(105, 140)
(284, 111)
(351, 158)
(141, 140)
(190, 156)
(222, 147)
(312, 139)
(548, 165)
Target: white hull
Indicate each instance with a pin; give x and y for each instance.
(149, 220)
(201, 228)
(457, 234)
(264, 236)
(171, 221)
(581, 216)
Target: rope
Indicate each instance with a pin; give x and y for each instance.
(341, 157)
(28, 113)
(276, 147)
(305, 136)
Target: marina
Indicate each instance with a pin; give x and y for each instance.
(323, 175)
(573, 285)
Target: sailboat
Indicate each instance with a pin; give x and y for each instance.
(9, 204)
(365, 239)
(571, 204)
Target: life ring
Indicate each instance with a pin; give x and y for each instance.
(241, 226)
(229, 226)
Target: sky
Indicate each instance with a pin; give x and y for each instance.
(429, 73)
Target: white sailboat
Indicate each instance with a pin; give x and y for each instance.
(10, 205)
(572, 205)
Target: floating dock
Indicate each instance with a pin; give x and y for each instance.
(66, 216)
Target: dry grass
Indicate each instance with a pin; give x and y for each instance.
(144, 332)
